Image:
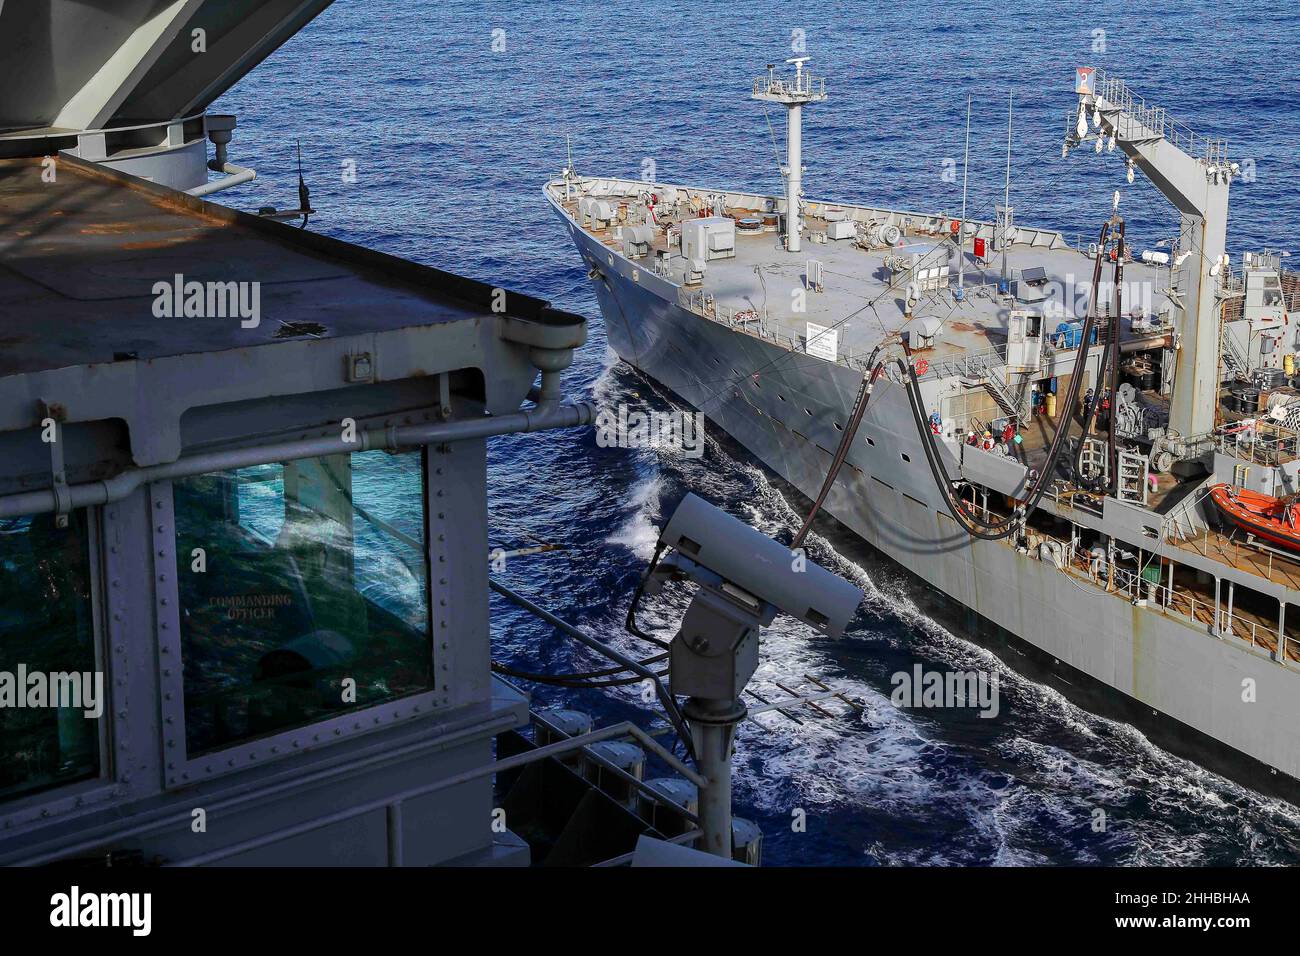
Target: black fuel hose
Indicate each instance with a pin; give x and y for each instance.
(939, 470)
(1109, 361)
(846, 442)
(1003, 529)
(1076, 382)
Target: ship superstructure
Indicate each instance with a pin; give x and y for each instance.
(128, 84)
(1037, 439)
(244, 534)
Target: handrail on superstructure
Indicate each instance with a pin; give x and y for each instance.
(806, 85)
(1136, 116)
(393, 804)
(102, 492)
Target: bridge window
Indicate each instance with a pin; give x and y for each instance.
(314, 599)
(47, 637)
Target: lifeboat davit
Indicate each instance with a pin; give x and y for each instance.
(1273, 519)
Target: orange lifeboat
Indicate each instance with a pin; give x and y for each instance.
(1273, 519)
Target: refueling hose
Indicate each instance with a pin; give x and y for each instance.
(1076, 381)
(968, 522)
(846, 441)
(1109, 361)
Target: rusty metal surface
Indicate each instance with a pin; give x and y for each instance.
(79, 258)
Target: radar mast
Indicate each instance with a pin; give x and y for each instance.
(792, 93)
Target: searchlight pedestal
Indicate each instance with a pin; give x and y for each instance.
(745, 579)
(792, 94)
(710, 661)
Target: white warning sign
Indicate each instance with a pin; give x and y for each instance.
(821, 342)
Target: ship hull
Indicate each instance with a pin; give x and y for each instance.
(1163, 673)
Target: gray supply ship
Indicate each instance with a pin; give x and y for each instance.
(1090, 448)
(244, 530)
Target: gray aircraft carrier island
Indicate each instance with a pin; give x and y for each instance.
(197, 527)
(1090, 448)
(244, 535)
(244, 563)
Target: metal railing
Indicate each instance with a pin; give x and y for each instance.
(1137, 120)
(973, 364)
(1155, 595)
(755, 323)
(703, 303)
(1231, 282)
(980, 363)
(1159, 597)
(1233, 360)
(392, 805)
(804, 84)
(1258, 441)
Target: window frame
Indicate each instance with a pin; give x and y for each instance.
(179, 769)
(49, 803)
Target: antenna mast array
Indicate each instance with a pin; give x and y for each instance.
(961, 229)
(792, 94)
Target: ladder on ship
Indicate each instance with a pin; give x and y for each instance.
(1010, 399)
(1094, 461)
(980, 370)
(1233, 362)
(1132, 481)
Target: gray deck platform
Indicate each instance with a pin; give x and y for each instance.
(866, 303)
(79, 259)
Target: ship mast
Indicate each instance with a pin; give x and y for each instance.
(961, 229)
(1004, 236)
(792, 94)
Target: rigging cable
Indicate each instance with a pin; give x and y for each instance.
(776, 154)
(666, 699)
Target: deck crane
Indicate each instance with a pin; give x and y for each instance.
(1192, 171)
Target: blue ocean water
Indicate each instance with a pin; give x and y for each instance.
(451, 140)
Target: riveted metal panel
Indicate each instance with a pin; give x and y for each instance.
(457, 483)
(117, 564)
